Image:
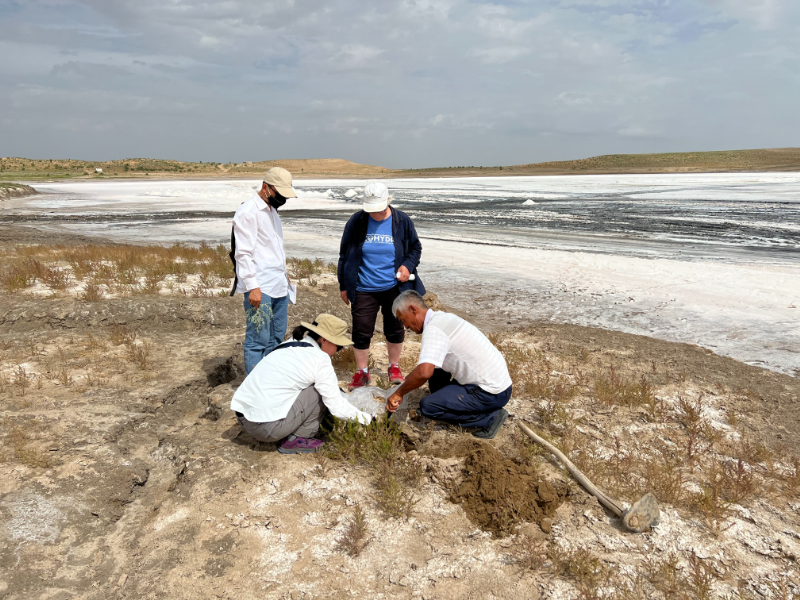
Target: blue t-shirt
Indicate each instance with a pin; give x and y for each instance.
(376, 272)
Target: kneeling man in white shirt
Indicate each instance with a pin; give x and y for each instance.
(467, 376)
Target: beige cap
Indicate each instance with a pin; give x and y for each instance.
(331, 328)
(281, 180)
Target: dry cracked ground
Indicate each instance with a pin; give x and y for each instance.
(125, 475)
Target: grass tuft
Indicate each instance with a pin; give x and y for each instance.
(613, 389)
(140, 355)
(22, 380)
(354, 539)
(92, 293)
(394, 498)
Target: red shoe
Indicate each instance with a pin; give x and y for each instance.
(395, 375)
(360, 379)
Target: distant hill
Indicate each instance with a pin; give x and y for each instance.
(25, 168)
(771, 159)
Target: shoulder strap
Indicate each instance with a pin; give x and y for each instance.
(293, 345)
(232, 255)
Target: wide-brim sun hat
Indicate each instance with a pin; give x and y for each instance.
(331, 328)
(281, 180)
(376, 197)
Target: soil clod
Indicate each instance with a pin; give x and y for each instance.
(497, 493)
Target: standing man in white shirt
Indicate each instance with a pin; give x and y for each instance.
(261, 266)
(467, 376)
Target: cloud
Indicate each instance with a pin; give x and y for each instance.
(354, 56)
(400, 82)
(500, 54)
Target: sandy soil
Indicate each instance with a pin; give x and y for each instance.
(15, 190)
(123, 477)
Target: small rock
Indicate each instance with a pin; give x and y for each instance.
(546, 525)
(531, 531)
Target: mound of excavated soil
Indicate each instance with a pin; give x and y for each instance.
(497, 493)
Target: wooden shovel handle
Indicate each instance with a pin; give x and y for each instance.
(606, 501)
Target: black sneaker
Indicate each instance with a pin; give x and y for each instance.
(488, 433)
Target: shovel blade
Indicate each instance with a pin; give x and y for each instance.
(642, 515)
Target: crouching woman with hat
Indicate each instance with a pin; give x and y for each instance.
(287, 394)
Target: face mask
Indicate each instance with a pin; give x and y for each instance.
(277, 201)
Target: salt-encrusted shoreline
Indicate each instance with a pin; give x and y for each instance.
(15, 190)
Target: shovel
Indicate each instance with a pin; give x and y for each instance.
(641, 516)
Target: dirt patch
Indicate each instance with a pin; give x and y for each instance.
(131, 479)
(497, 493)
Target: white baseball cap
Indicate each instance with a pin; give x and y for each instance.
(376, 197)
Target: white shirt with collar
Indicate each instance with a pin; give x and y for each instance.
(268, 392)
(260, 259)
(451, 343)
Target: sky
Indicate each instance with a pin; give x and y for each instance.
(400, 84)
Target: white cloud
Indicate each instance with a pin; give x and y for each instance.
(573, 98)
(447, 81)
(500, 54)
(354, 56)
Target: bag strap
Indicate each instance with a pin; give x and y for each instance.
(293, 345)
(232, 255)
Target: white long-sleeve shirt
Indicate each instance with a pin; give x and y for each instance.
(271, 388)
(260, 259)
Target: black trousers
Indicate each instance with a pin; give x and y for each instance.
(364, 311)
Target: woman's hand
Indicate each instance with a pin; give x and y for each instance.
(343, 293)
(404, 274)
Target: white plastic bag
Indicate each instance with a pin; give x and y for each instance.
(371, 399)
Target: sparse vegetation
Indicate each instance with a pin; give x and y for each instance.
(18, 440)
(378, 446)
(354, 539)
(684, 462)
(93, 272)
(24, 168)
(140, 354)
(22, 380)
(344, 361)
(682, 446)
(394, 497)
(612, 389)
(304, 269)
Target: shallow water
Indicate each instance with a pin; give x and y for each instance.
(711, 259)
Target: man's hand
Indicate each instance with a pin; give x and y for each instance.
(255, 297)
(415, 379)
(343, 294)
(404, 274)
(393, 402)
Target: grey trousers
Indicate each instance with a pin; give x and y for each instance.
(303, 419)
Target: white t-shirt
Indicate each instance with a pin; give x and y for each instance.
(451, 343)
(271, 388)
